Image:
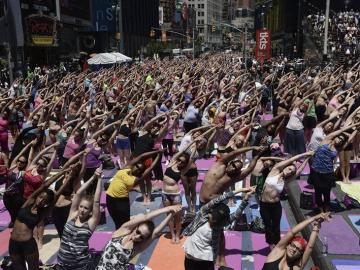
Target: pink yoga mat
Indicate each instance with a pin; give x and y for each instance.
(4, 216)
(260, 250)
(233, 241)
(99, 240)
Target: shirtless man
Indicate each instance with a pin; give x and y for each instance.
(222, 174)
(225, 172)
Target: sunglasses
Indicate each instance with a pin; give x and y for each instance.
(293, 246)
(22, 161)
(138, 232)
(181, 161)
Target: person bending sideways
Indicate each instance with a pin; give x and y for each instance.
(293, 252)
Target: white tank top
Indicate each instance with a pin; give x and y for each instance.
(273, 181)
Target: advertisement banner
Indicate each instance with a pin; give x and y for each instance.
(263, 45)
(41, 30)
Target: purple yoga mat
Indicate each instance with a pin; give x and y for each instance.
(99, 240)
(341, 238)
(233, 241)
(260, 250)
(304, 186)
(267, 117)
(205, 164)
(4, 215)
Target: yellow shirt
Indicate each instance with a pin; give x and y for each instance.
(121, 184)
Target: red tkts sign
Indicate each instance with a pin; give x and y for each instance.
(263, 45)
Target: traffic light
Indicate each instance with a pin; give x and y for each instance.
(152, 33)
(213, 28)
(163, 36)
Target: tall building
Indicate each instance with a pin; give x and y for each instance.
(209, 16)
(168, 9)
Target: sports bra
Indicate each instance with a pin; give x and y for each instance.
(274, 265)
(273, 181)
(176, 176)
(28, 218)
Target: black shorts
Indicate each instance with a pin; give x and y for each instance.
(28, 247)
(309, 122)
(192, 172)
(264, 101)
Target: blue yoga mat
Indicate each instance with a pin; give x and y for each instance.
(355, 220)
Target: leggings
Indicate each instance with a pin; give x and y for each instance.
(168, 146)
(119, 210)
(60, 216)
(13, 203)
(271, 215)
(158, 170)
(321, 192)
(191, 264)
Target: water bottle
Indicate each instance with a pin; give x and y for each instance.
(147, 209)
(324, 246)
(251, 218)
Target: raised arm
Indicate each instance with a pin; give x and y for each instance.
(129, 226)
(78, 196)
(280, 166)
(42, 152)
(95, 218)
(142, 157)
(230, 156)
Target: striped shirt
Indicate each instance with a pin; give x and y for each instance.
(74, 246)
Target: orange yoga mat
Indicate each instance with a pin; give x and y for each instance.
(167, 255)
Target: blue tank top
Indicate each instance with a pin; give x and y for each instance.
(323, 160)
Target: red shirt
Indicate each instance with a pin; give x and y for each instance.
(31, 183)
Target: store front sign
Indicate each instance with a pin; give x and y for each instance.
(263, 45)
(41, 30)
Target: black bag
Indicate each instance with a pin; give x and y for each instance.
(257, 225)
(306, 200)
(241, 224)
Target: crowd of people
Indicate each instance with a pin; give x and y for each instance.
(344, 32)
(58, 131)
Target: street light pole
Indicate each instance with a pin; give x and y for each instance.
(193, 42)
(326, 29)
(245, 42)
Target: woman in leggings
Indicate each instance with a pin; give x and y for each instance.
(117, 195)
(270, 207)
(22, 245)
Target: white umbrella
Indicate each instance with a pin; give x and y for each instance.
(108, 59)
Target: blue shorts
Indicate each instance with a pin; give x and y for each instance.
(123, 144)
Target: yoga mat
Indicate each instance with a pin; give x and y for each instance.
(267, 117)
(99, 240)
(233, 247)
(355, 220)
(260, 250)
(51, 246)
(4, 216)
(204, 164)
(340, 237)
(167, 255)
(346, 264)
(4, 242)
(304, 186)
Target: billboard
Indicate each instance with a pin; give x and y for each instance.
(41, 30)
(103, 16)
(263, 45)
